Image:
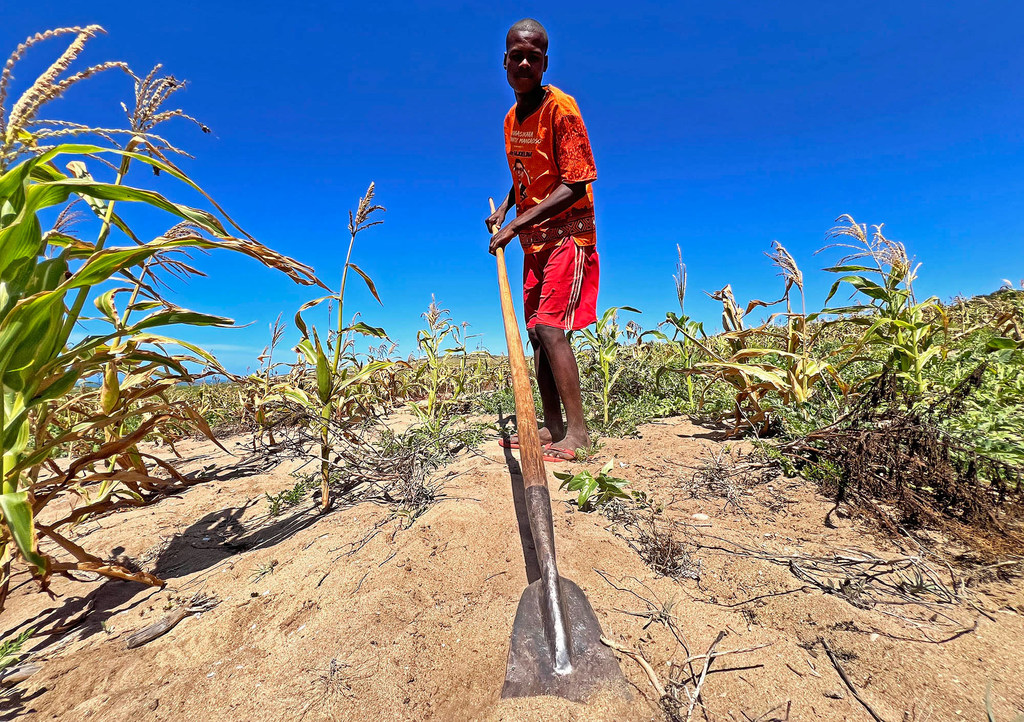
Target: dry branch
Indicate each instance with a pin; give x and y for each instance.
(709, 658)
(639, 659)
(198, 604)
(846, 680)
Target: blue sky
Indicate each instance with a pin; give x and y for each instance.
(717, 126)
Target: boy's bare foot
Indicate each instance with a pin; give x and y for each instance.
(565, 450)
(546, 437)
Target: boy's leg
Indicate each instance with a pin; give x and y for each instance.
(561, 361)
(560, 292)
(553, 428)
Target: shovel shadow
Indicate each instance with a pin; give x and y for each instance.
(522, 520)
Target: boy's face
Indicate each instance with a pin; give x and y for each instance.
(525, 61)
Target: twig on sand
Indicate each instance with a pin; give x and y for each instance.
(728, 651)
(709, 658)
(847, 682)
(638, 658)
(198, 604)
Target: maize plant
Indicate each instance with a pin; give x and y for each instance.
(342, 379)
(683, 329)
(45, 281)
(603, 343)
(260, 394)
(908, 334)
(443, 375)
(770, 358)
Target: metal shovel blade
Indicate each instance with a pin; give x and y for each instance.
(530, 671)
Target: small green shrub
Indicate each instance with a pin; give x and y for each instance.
(292, 497)
(10, 649)
(594, 491)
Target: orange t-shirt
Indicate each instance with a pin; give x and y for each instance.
(546, 149)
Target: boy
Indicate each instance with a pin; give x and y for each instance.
(552, 168)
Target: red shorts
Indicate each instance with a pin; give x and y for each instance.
(560, 286)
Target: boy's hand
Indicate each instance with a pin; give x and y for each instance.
(495, 220)
(502, 238)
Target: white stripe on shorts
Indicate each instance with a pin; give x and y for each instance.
(577, 285)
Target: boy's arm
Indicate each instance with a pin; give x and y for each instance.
(498, 217)
(564, 196)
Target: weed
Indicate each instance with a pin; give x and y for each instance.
(662, 551)
(10, 649)
(594, 491)
(262, 570)
(291, 497)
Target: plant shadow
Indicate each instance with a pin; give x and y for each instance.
(205, 544)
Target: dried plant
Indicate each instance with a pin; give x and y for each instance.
(768, 360)
(20, 132)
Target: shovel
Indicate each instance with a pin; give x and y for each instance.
(556, 646)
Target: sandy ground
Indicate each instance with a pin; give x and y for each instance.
(355, 615)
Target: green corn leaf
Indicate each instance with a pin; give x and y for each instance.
(57, 387)
(852, 269)
(1000, 343)
(22, 239)
(17, 515)
(323, 375)
(360, 327)
(305, 347)
(178, 316)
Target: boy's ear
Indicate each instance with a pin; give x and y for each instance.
(504, 61)
(545, 63)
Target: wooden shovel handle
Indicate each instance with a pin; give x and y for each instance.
(531, 454)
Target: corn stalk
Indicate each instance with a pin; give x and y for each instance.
(443, 374)
(51, 407)
(341, 377)
(603, 343)
(44, 279)
(907, 335)
(776, 357)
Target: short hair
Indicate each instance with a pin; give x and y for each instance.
(528, 25)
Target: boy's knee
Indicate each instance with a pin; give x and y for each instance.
(547, 335)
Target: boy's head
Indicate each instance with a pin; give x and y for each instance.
(526, 55)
